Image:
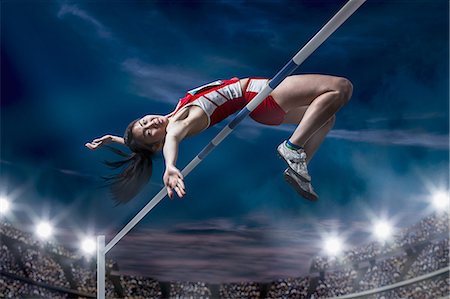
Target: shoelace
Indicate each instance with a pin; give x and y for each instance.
(299, 158)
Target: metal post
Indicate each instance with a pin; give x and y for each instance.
(101, 267)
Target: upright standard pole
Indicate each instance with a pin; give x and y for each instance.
(101, 267)
(341, 16)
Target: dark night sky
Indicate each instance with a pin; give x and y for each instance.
(75, 70)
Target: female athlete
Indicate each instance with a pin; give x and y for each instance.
(309, 101)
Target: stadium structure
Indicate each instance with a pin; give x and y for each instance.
(414, 264)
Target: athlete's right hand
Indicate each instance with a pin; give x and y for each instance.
(173, 180)
(96, 143)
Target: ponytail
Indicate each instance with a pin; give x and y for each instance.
(135, 174)
(136, 169)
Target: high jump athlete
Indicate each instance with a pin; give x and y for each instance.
(309, 101)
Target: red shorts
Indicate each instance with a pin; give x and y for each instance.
(268, 112)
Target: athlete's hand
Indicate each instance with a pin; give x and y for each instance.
(96, 143)
(173, 180)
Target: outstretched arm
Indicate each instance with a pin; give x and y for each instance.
(98, 142)
(173, 179)
(194, 123)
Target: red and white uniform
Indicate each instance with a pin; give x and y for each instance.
(222, 98)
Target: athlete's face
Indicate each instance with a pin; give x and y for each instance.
(150, 129)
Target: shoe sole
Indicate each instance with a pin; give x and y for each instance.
(306, 180)
(291, 181)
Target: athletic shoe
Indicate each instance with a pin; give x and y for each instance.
(296, 160)
(303, 188)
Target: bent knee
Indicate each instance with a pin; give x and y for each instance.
(344, 88)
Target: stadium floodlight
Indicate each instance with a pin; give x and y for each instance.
(333, 246)
(440, 200)
(5, 205)
(382, 230)
(89, 245)
(44, 230)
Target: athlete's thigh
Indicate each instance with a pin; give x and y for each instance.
(301, 90)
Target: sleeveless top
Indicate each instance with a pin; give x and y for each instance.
(218, 99)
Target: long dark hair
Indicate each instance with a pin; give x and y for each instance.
(136, 169)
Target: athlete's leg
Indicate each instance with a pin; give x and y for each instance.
(322, 96)
(313, 143)
(310, 101)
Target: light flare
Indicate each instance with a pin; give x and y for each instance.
(89, 245)
(44, 230)
(5, 205)
(382, 230)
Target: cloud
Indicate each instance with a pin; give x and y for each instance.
(394, 137)
(215, 250)
(411, 116)
(253, 248)
(381, 137)
(70, 9)
(222, 61)
(158, 82)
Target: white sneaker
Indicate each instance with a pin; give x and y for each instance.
(296, 160)
(303, 188)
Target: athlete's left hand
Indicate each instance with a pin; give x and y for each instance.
(173, 180)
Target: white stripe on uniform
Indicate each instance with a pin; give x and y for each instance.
(256, 85)
(231, 91)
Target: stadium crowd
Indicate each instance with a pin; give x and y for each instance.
(31, 269)
(8, 230)
(383, 273)
(336, 283)
(289, 288)
(429, 289)
(424, 230)
(13, 288)
(248, 290)
(140, 287)
(86, 280)
(189, 290)
(8, 262)
(41, 268)
(434, 257)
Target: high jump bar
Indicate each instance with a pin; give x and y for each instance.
(334, 23)
(290, 67)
